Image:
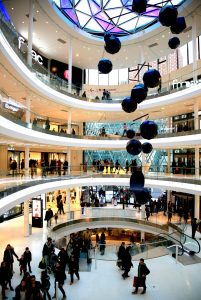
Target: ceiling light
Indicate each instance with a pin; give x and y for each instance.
(37, 11)
(46, 22)
(77, 54)
(12, 8)
(22, 22)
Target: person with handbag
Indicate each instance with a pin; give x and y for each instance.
(140, 280)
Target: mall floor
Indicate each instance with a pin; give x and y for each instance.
(166, 281)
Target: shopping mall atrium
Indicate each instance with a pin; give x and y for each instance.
(100, 123)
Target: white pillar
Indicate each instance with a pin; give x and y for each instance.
(168, 198)
(26, 163)
(30, 32)
(194, 41)
(69, 161)
(197, 207)
(197, 161)
(196, 116)
(143, 211)
(26, 218)
(70, 58)
(170, 129)
(28, 109)
(142, 235)
(68, 204)
(69, 122)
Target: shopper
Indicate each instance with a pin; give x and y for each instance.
(45, 285)
(21, 291)
(143, 271)
(8, 257)
(125, 130)
(28, 258)
(48, 217)
(73, 267)
(60, 277)
(48, 251)
(126, 262)
(120, 254)
(194, 226)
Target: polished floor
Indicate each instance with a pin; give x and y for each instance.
(166, 281)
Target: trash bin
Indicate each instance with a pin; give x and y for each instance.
(30, 229)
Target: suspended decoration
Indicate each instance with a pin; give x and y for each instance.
(112, 43)
(152, 78)
(168, 15)
(178, 26)
(128, 106)
(104, 66)
(174, 43)
(134, 147)
(139, 6)
(139, 93)
(147, 148)
(130, 133)
(137, 180)
(148, 130)
(142, 194)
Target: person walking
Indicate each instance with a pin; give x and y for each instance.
(8, 257)
(194, 226)
(120, 254)
(28, 257)
(73, 265)
(45, 285)
(126, 262)
(143, 271)
(48, 250)
(125, 130)
(48, 217)
(60, 277)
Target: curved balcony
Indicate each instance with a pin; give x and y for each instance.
(18, 194)
(13, 126)
(56, 89)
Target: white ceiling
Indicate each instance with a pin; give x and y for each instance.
(87, 51)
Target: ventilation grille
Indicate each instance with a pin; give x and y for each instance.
(155, 111)
(61, 41)
(34, 20)
(153, 45)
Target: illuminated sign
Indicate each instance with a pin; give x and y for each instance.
(36, 208)
(38, 58)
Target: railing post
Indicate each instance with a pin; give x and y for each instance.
(177, 250)
(56, 290)
(95, 258)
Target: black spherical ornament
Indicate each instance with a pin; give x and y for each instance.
(128, 106)
(130, 133)
(146, 148)
(148, 130)
(142, 196)
(168, 15)
(139, 93)
(104, 66)
(174, 42)
(134, 147)
(151, 78)
(178, 26)
(112, 43)
(139, 6)
(137, 181)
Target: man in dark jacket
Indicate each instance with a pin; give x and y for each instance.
(73, 267)
(48, 216)
(60, 277)
(28, 257)
(48, 250)
(143, 271)
(8, 256)
(126, 262)
(120, 254)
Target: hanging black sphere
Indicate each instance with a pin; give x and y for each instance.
(130, 133)
(178, 26)
(146, 148)
(142, 196)
(104, 66)
(148, 130)
(112, 43)
(151, 78)
(136, 181)
(174, 42)
(134, 147)
(128, 106)
(139, 93)
(167, 15)
(139, 6)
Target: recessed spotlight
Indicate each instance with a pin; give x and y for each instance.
(163, 35)
(12, 8)
(77, 54)
(37, 11)
(56, 31)
(46, 22)
(22, 22)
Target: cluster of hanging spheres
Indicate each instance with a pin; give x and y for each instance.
(168, 17)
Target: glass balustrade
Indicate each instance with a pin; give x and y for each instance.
(170, 86)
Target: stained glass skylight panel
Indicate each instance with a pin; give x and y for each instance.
(115, 16)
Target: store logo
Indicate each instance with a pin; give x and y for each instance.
(38, 58)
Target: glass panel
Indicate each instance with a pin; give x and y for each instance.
(103, 79)
(183, 56)
(93, 77)
(113, 77)
(123, 76)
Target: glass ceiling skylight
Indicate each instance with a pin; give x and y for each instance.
(114, 16)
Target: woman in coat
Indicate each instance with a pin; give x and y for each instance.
(126, 262)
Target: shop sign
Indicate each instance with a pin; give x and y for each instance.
(38, 58)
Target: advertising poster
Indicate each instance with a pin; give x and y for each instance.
(36, 206)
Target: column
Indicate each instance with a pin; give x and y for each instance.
(4, 160)
(68, 204)
(70, 58)
(69, 122)
(30, 32)
(28, 109)
(142, 235)
(142, 212)
(168, 198)
(26, 218)
(170, 129)
(194, 40)
(197, 162)
(69, 161)
(26, 163)
(197, 207)
(196, 116)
